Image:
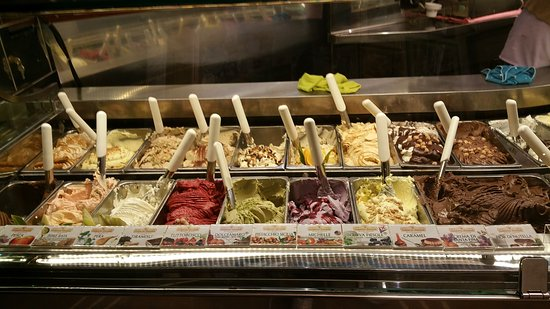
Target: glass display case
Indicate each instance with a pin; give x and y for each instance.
(115, 58)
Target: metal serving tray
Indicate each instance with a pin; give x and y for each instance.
(141, 134)
(292, 155)
(280, 181)
(421, 211)
(492, 138)
(395, 161)
(35, 218)
(262, 136)
(312, 186)
(21, 198)
(121, 190)
(532, 180)
(131, 167)
(21, 153)
(32, 169)
(160, 218)
(452, 161)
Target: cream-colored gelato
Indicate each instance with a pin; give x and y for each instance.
(162, 147)
(68, 150)
(360, 144)
(328, 141)
(121, 147)
(377, 203)
(196, 157)
(261, 156)
(543, 119)
(502, 127)
(136, 204)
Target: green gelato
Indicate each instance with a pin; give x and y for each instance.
(258, 201)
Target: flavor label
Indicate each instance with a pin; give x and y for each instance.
(273, 235)
(142, 236)
(514, 236)
(405, 236)
(57, 236)
(366, 235)
(99, 236)
(230, 235)
(185, 236)
(19, 235)
(320, 235)
(464, 237)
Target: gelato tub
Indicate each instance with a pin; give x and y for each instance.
(330, 148)
(477, 145)
(417, 144)
(193, 202)
(360, 146)
(122, 145)
(509, 199)
(21, 153)
(159, 149)
(21, 198)
(394, 202)
(67, 152)
(258, 200)
(307, 206)
(266, 152)
(65, 206)
(133, 203)
(543, 132)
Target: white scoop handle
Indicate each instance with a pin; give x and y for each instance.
(197, 111)
(101, 126)
(222, 163)
(241, 116)
(443, 114)
(382, 135)
(313, 141)
(535, 143)
(374, 110)
(213, 136)
(82, 124)
(450, 139)
(67, 105)
(184, 146)
(335, 92)
(155, 112)
(513, 118)
(288, 123)
(47, 146)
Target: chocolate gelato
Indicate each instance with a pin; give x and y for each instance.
(509, 199)
(475, 144)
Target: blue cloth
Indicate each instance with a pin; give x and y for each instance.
(509, 75)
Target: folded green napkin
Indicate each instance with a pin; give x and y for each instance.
(309, 83)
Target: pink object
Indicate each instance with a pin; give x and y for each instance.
(497, 16)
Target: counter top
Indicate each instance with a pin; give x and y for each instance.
(393, 95)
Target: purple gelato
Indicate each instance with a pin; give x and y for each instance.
(306, 207)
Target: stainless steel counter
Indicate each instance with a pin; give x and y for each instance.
(400, 95)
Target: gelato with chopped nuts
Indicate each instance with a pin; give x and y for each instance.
(416, 142)
(475, 144)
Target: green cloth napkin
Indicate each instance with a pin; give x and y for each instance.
(310, 83)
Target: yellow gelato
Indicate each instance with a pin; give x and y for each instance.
(121, 147)
(377, 203)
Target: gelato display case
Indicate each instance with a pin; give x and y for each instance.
(267, 235)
